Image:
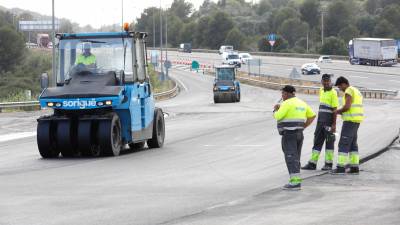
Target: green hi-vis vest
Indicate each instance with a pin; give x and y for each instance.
(356, 112)
(86, 60)
(293, 114)
(328, 101)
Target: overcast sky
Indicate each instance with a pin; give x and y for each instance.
(93, 12)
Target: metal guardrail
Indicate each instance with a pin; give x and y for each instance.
(367, 93)
(34, 105)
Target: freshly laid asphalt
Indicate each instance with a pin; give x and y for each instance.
(215, 156)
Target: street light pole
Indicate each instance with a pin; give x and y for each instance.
(322, 27)
(166, 39)
(53, 46)
(154, 31)
(122, 14)
(161, 41)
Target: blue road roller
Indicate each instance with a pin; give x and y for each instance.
(226, 87)
(102, 100)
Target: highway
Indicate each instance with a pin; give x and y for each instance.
(214, 155)
(362, 76)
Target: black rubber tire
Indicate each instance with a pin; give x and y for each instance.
(109, 136)
(86, 145)
(233, 97)
(216, 99)
(137, 146)
(157, 140)
(238, 97)
(46, 140)
(66, 138)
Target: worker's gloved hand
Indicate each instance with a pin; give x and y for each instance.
(333, 129)
(276, 107)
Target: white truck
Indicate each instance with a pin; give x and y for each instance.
(231, 58)
(373, 51)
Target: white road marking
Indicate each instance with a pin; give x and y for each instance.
(234, 145)
(359, 77)
(182, 84)
(397, 81)
(14, 136)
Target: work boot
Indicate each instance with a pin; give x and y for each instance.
(338, 171)
(354, 171)
(292, 187)
(327, 166)
(309, 166)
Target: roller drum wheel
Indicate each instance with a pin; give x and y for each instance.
(46, 140)
(86, 145)
(157, 140)
(66, 135)
(109, 136)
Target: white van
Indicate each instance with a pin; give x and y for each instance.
(225, 48)
(231, 58)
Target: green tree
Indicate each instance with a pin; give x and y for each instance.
(391, 13)
(279, 16)
(219, 26)
(384, 29)
(349, 32)
(186, 33)
(181, 8)
(174, 28)
(333, 46)
(262, 7)
(292, 30)
(338, 16)
(366, 25)
(12, 48)
(371, 6)
(201, 38)
(309, 11)
(235, 38)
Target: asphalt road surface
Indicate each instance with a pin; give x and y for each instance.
(214, 155)
(362, 76)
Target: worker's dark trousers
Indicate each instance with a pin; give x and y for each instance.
(320, 136)
(348, 144)
(292, 141)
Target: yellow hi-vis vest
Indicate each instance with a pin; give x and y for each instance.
(356, 112)
(328, 100)
(293, 114)
(86, 60)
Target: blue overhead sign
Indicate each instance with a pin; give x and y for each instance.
(271, 37)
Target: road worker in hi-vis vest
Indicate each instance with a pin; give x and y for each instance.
(293, 116)
(352, 114)
(86, 58)
(326, 125)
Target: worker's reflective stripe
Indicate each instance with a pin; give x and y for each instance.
(352, 115)
(295, 179)
(291, 124)
(342, 159)
(356, 106)
(292, 120)
(329, 156)
(326, 110)
(354, 159)
(315, 156)
(324, 104)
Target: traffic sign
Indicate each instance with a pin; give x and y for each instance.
(271, 37)
(167, 64)
(272, 43)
